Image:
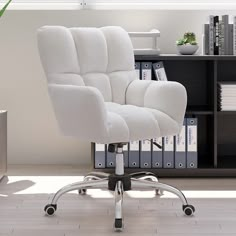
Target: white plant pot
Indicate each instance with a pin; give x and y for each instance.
(187, 49)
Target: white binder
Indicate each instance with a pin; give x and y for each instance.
(134, 154)
(137, 67)
(192, 155)
(126, 155)
(180, 148)
(99, 155)
(111, 159)
(157, 153)
(168, 155)
(146, 69)
(159, 71)
(145, 154)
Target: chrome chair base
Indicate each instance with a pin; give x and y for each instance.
(136, 181)
(139, 181)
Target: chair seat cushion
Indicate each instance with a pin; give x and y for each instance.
(129, 123)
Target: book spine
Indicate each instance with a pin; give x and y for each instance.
(231, 40)
(225, 33)
(206, 39)
(216, 35)
(211, 35)
(221, 38)
(234, 36)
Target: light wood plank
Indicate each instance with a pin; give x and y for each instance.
(21, 213)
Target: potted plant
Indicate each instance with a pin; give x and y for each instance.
(187, 45)
(4, 8)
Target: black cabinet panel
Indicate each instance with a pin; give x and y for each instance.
(216, 130)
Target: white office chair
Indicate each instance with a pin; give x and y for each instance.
(97, 97)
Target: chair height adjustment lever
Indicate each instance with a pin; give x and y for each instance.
(158, 145)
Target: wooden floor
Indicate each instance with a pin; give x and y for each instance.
(27, 189)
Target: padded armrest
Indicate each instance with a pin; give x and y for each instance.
(79, 109)
(166, 96)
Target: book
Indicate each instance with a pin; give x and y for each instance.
(221, 38)
(211, 35)
(206, 39)
(234, 35)
(225, 37)
(216, 35)
(231, 36)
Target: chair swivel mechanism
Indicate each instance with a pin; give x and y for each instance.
(97, 97)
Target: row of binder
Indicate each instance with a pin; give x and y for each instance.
(167, 152)
(144, 71)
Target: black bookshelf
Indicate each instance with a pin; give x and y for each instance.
(216, 129)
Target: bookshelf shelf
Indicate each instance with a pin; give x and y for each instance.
(226, 112)
(199, 110)
(216, 129)
(194, 57)
(192, 112)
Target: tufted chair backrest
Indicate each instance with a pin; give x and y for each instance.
(97, 57)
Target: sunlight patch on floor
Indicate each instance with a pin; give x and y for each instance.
(41, 184)
(51, 184)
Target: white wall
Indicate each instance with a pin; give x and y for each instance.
(33, 136)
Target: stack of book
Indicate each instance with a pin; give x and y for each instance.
(227, 96)
(219, 36)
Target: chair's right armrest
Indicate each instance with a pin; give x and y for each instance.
(80, 111)
(168, 97)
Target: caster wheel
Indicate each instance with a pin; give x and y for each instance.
(118, 225)
(50, 209)
(188, 210)
(82, 191)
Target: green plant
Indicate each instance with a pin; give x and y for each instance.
(4, 8)
(189, 38)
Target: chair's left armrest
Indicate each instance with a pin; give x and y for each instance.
(166, 96)
(80, 111)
